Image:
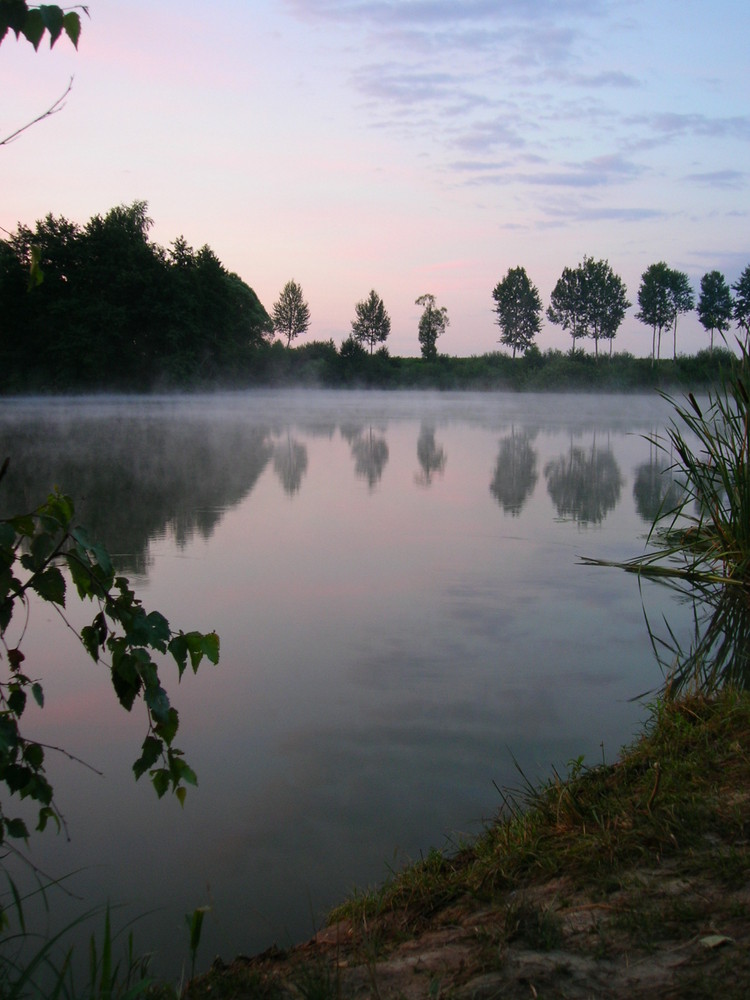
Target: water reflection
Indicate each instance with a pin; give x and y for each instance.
(370, 453)
(290, 463)
(515, 473)
(135, 478)
(718, 652)
(430, 455)
(584, 484)
(655, 489)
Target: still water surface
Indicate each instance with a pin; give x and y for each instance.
(394, 578)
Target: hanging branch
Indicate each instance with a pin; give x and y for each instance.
(57, 106)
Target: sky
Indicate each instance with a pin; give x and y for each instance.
(410, 146)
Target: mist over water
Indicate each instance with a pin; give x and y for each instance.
(394, 579)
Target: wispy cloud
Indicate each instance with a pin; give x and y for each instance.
(731, 179)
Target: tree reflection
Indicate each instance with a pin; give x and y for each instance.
(515, 473)
(430, 455)
(584, 484)
(290, 463)
(370, 453)
(655, 489)
(135, 478)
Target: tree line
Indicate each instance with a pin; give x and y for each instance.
(589, 300)
(103, 305)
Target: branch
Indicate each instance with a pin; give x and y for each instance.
(53, 109)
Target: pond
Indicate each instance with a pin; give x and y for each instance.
(404, 625)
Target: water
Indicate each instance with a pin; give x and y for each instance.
(394, 578)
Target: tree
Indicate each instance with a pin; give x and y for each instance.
(605, 301)
(122, 636)
(715, 306)
(432, 324)
(373, 324)
(683, 300)
(656, 302)
(518, 307)
(291, 314)
(741, 308)
(567, 303)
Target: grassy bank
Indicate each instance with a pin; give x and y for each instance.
(621, 880)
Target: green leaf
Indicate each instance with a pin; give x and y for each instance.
(52, 16)
(36, 690)
(17, 702)
(179, 650)
(33, 27)
(167, 728)
(181, 792)
(16, 828)
(152, 749)
(90, 640)
(34, 756)
(72, 26)
(211, 647)
(50, 585)
(7, 534)
(158, 702)
(46, 813)
(160, 781)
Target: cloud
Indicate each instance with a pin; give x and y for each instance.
(673, 125)
(730, 179)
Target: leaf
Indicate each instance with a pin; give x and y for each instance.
(17, 702)
(36, 690)
(34, 756)
(7, 534)
(167, 728)
(52, 16)
(16, 828)
(47, 812)
(211, 647)
(152, 749)
(15, 658)
(158, 702)
(72, 26)
(33, 28)
(50, 585)
(181, 792)
(160, 781)
(90, 640)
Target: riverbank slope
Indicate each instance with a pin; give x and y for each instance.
(623, 880)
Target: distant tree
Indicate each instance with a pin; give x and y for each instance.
(432, 324)
(291, 314)
(683, 300)
(518, 307)
(373, 324)
(715, 306)
(567, 303)
(656, 302)
(741, 308)
(605, 301)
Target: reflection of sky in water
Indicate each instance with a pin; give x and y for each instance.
(401, 612)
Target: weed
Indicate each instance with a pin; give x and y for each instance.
(540, 928)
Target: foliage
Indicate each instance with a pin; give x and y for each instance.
(715, 306)
(605, 300)
(373, 324)
(518, 307)
(124, 311)
(432, 324)
(567, 306)
(34, 549)
(741, 308)
(291, 314)
(33, 21)
(656, 302)
(683, 300)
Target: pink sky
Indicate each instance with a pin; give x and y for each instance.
(412, 146)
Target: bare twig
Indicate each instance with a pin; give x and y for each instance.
(52, 110)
